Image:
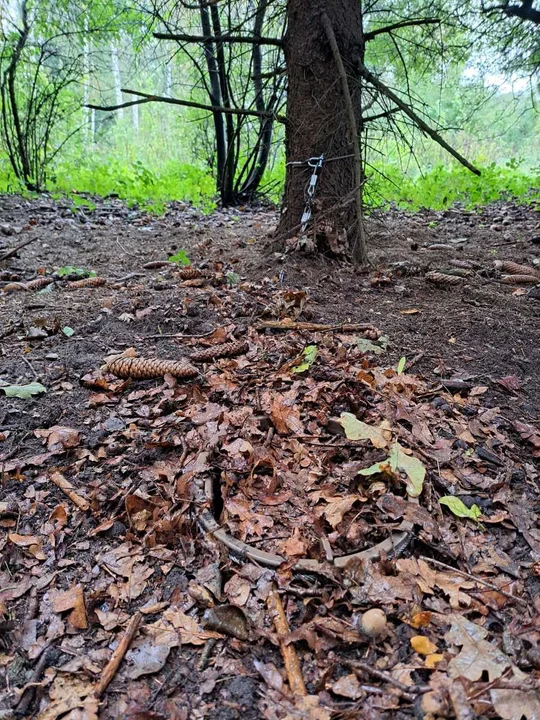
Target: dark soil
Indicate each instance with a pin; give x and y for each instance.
(482, 332)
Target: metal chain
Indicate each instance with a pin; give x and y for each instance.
(316, 163)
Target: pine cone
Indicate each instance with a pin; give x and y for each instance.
(90, 282)
(520, 279)
(439, 278)
(513, 268)
(147, 368)
(465, 264)
(38, 283)
(238, 347)
(190, 273)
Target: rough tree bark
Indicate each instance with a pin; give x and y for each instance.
(319, 121)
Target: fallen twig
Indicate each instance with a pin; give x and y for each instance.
(416, 359)
(288, 324)
(15, 250)
(408, 692)
(112, 666)
(292, 663)
(177, 335)
(28, 694)
(491, 586)
(67, 488)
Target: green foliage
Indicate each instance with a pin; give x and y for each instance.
(458, 507)
(232, 278)
(309, 353)
(180, 258)
(136, 183)
(72, 270)
(446, 185)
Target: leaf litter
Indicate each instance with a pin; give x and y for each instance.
(308, 446)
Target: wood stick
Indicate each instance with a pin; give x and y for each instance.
(491, 586)
(118, 655)
(67, 488)
(408, 691)
(13, 251)
(314, 327)
(292, 663)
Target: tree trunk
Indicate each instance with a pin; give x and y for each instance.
(319, 118)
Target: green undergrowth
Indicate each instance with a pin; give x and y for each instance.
(446, 185)
(151, 188)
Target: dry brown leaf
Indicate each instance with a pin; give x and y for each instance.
(477, 655)
(337, 508)
(427, 579)
(150, 650)
(237, 589)
(59, 437)
(71, 696)
(188, 628)
(347, 686)
(72, 599)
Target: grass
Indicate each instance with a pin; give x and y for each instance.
(151, 188)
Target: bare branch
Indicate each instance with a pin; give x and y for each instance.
(249, 39)
(378, 116)
(397, 26)
(206, 4)
(433, 134)
(145, 98)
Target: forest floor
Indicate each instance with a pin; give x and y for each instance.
(112, 488)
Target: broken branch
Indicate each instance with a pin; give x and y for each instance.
(118, 655)
(290, 658)
(15, 250)
(433, 134)
(67, 488)
(146, 98)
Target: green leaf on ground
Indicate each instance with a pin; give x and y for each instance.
(377, 348)
(309, 354)
(24, 392)
(458, 507)
(357, 430)
(400, 461)
(401, 365)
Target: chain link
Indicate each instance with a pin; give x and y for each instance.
(316, 163)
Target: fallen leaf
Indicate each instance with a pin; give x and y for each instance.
(23, 391)
(357, 430)
(477, 655)
(306, 359)
(336, 509)
(150, 650)
(422, 645)
(188, 628)
(433, 660)
(511, 382)
(347, 686)
(458, 507)
(416, 472)
(72, 599)
(59, 437)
